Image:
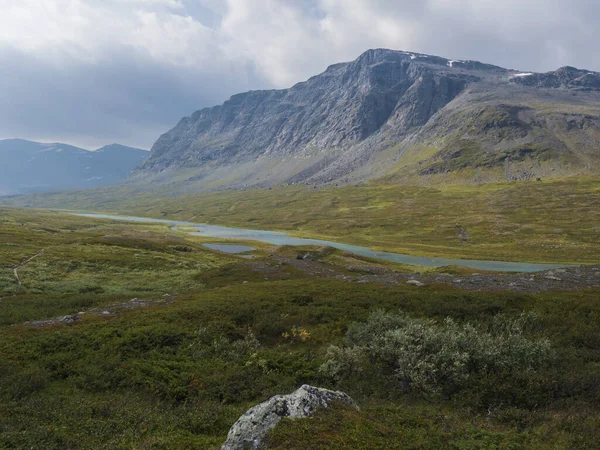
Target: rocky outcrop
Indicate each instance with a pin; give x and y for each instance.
(250, 429)
(565, 77)
(337, 109)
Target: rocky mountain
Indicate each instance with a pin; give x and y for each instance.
(391, 115)
(27, 166)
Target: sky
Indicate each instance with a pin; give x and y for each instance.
(94, 72)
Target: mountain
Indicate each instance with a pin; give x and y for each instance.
(27, 166)
(399, 116)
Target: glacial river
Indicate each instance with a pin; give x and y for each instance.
(278, 238)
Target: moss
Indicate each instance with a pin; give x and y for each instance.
(414, 425)
(470, 154)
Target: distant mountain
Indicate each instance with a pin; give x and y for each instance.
(400, 116)
(27, 166)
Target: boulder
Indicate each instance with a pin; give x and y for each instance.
(415, 283)
(250, 429)
(69, 319)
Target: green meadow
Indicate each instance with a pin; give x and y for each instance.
(548, 221)
(177, 374)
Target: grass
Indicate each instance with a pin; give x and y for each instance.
(416, 424)
(176, 376)
(82, 263)
(548, 221)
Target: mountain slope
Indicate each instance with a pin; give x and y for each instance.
(391, 114)
(27, 166)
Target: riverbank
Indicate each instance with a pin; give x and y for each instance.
(548, 222)
(279, 238)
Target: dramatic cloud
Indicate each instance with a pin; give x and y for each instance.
(91, 72)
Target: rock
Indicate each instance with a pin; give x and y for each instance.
(415, 283)
(69, 319)
(251, 428)
(462, 233)
(553, 278)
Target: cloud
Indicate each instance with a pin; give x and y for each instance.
(287, 44)
(97, 71)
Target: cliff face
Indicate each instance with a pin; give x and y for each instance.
(388, 114)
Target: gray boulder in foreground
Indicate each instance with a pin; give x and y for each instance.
(251, 428)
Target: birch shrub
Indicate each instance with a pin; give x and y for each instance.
(438, 359)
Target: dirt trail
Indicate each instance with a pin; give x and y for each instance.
(24, 263)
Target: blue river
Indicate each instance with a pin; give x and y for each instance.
(278, 238)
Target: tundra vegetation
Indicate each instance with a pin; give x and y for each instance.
(431, 367)
(548, 221)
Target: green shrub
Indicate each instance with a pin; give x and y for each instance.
(208, 344)
(438, 359)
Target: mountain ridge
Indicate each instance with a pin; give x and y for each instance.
(28, 166)
(396, 115)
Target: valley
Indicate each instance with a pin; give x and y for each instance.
(282, 239)
(159, 341)
(547, 222)
(419, 233)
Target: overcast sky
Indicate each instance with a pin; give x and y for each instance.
(93, 72)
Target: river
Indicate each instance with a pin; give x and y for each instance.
(278, 238)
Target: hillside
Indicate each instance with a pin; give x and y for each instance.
(392, 115)
(27, 166)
